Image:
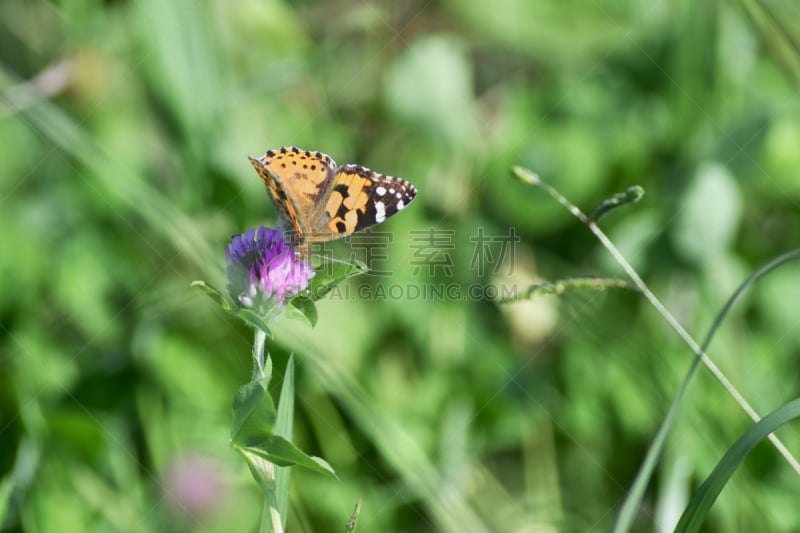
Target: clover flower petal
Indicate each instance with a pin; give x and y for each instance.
(263, 271)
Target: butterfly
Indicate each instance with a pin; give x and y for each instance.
(318, 201)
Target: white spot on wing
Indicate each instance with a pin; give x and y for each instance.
(400, 205)
(380, 191)
(380, 212)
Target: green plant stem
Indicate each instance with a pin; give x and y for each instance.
(636, 493)
(270, 517)
(698, 508)
(563, 285)
(258, 355)
(706, 360)
(625, 517)
(263, 470)
(530, 177)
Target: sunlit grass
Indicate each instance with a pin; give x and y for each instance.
(124, 129)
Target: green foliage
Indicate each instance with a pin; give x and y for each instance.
(284, 425)
(124, 129)
(709, 491)
(281, 452)
(249, 317)
(253, 413)
(327, 277)
(253, 430)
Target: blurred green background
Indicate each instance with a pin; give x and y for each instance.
(124, 127)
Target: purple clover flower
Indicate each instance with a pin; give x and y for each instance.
(263, 271)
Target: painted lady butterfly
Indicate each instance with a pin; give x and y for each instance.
(319, 201)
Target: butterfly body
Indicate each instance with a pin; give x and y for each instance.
(320, 202)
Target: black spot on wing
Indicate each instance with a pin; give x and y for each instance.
(368, 217)
(342, 211)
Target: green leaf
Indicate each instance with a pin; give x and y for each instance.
(247, 315)
(330, 274)
(253, 319)
(303, 306)
(253, 413)
(704, 498)
(636, 493)
(283, 428)
(327, 276)
(281, 452)
(213, 293)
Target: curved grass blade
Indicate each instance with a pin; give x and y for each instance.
(636, 494)
(283, 428)
(706, 495)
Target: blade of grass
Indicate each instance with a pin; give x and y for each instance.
(283, 427)
(398, 446)
(775, 36)
(65, 135)
(626, 514)
(636, 494)
(707, 494)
